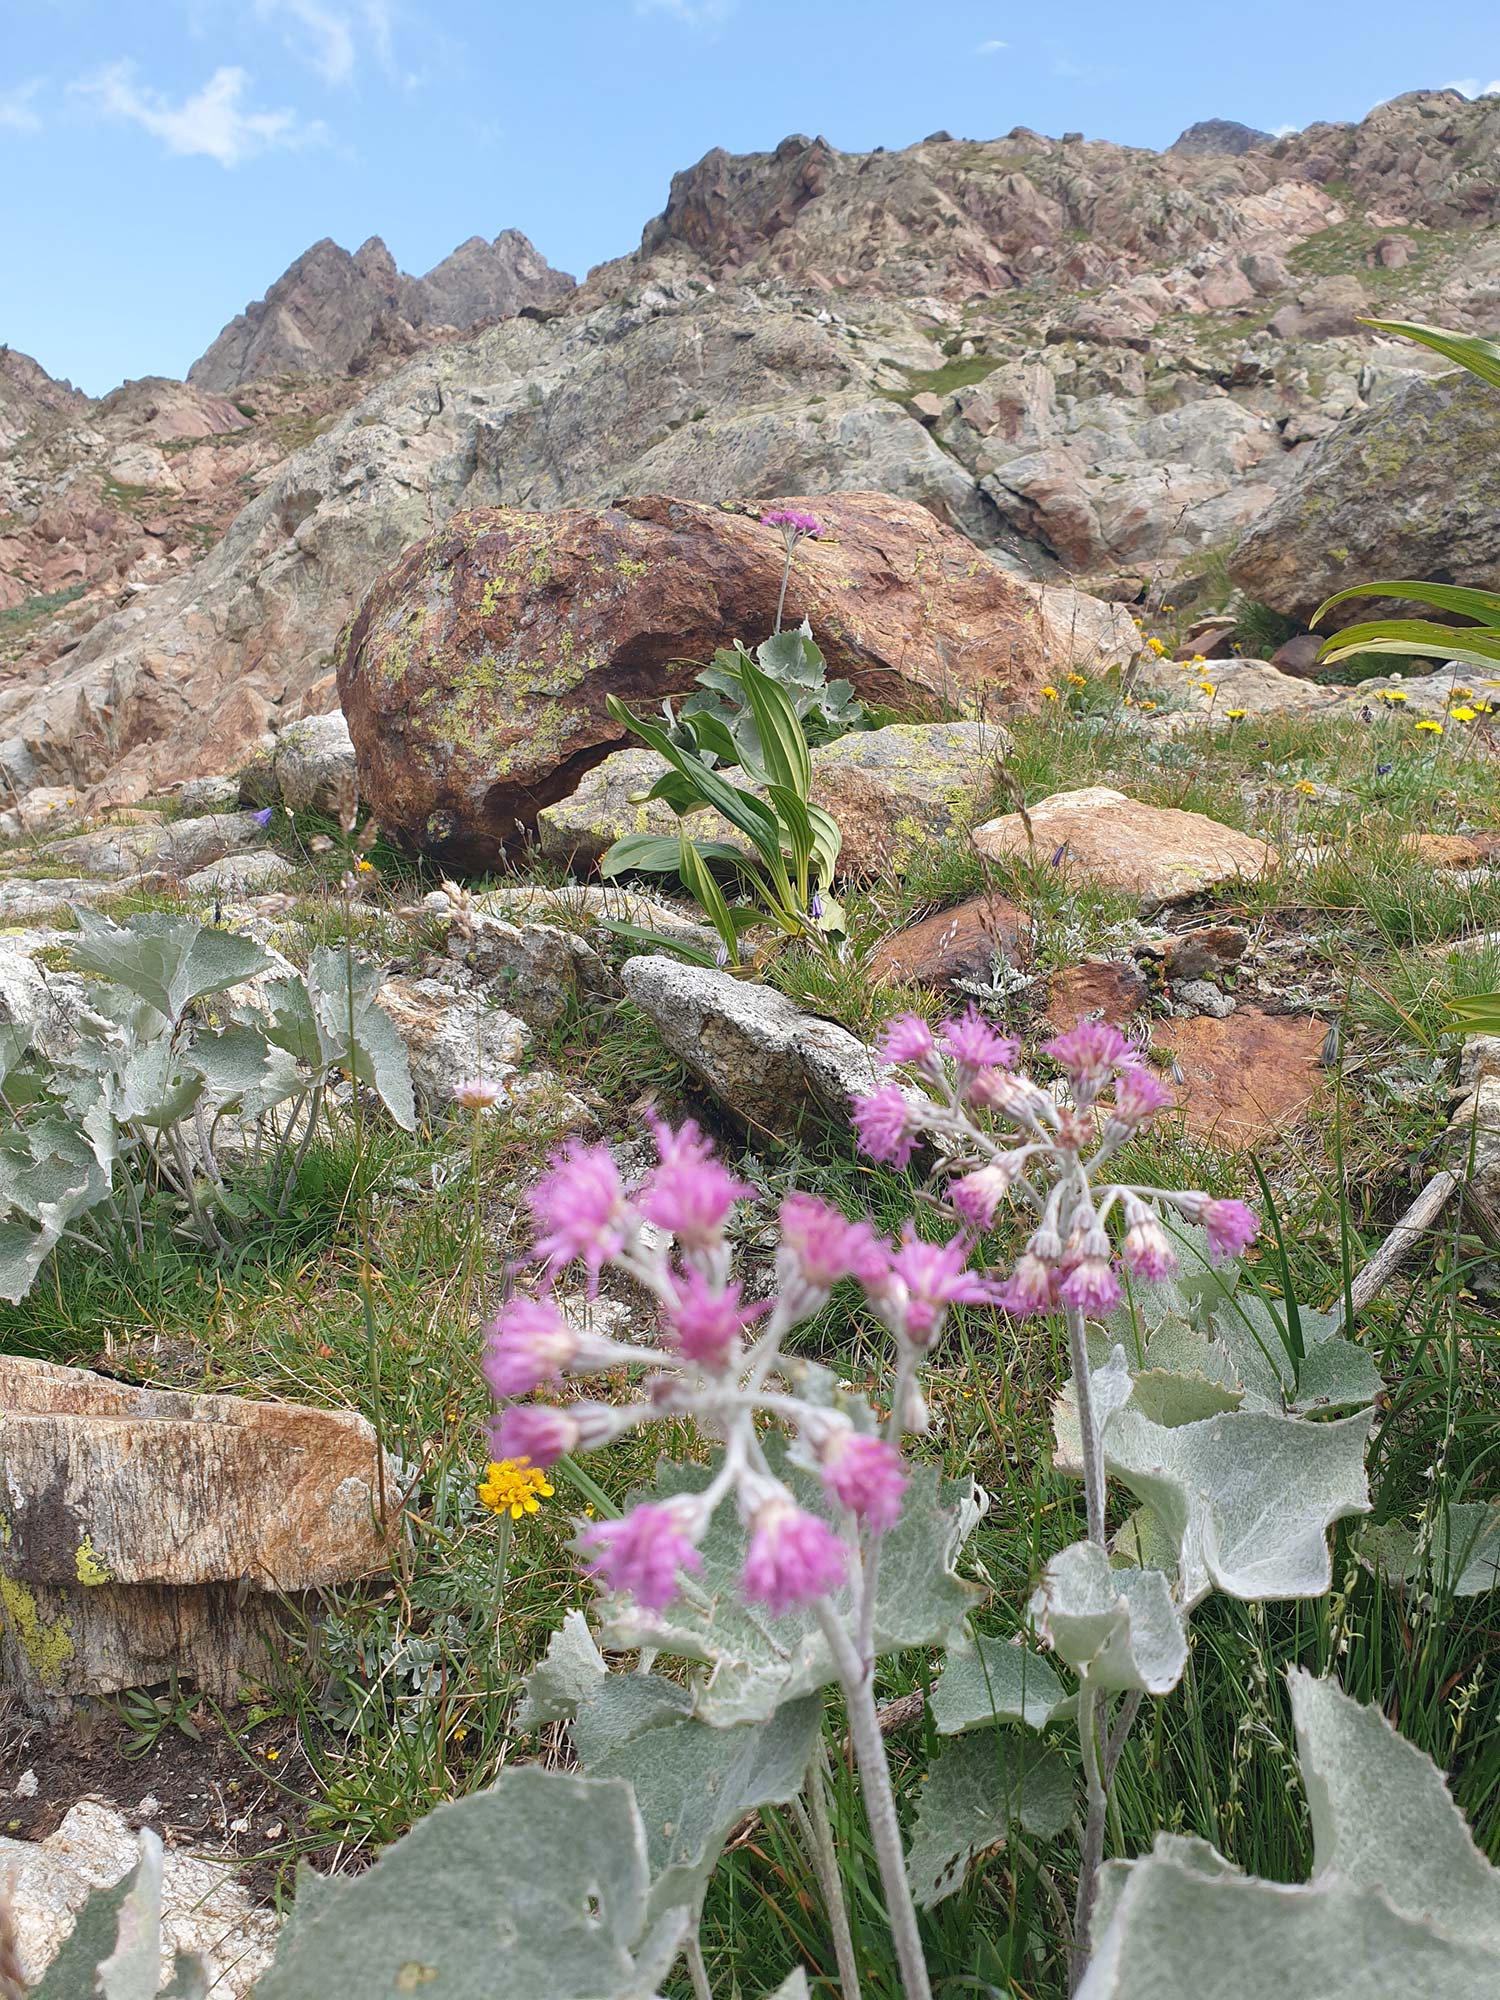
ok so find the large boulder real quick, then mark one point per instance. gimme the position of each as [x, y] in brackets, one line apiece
[474, 676]
[1156, 852]
[1408, 488]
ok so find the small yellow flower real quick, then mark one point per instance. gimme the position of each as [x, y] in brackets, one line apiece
[1155, 646]
[513, 1487]
[1394, 694]
[1432, 728]
[1198, 660]
[1234, 714]
[1463, 694]
[1462, 714]
[1169, 607]
[1144, 704]
[1078, 680]
[272, 1756]
[1307, 788]
[1050, 692]
[1206, 687]
[1136, 623]
[365, 867]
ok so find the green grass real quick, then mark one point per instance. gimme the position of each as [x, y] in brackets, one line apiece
[20, 617]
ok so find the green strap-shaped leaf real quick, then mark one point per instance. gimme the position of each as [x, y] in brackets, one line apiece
[985, 1681]
[1468, 350]
[1118, 1627]
[783, 746]
[700, 884]
[1481, 605]
[659, 854]
[1413, 635]
[751, 815]
[979, 1787]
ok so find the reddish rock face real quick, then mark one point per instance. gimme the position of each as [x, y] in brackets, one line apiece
[961, 943]
[475, 673]
[1246, 1076]
[1112, 991]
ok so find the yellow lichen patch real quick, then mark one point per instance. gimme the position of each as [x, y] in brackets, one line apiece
[88, 1566]
[48, 1647]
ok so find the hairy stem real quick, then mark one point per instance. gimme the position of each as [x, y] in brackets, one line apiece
[857, 1678]
[786, 577]
[1093, 1456]
[697, 1970]
[1089, 1720]
[818, 1833]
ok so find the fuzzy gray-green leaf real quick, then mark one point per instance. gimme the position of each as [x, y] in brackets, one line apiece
[978, 1787]
[985, 1681]
[1117, 1627]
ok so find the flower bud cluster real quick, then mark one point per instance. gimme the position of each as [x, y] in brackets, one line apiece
[716, 1356]
[1000, 1136]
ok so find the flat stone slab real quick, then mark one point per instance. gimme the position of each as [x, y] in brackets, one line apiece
[952, 945]
[1110, 991]
[1157, 852]
[1246, 1077]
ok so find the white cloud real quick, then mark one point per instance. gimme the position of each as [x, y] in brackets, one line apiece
[332, 40]
[18, 107]
[1284, 131]
[691, 13]
[991, 48]
[213, 121]
[1470, 86]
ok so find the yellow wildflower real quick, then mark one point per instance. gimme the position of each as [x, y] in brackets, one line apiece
[1234, 714]
[514, 1488]
[272, 1755]
[1394, 694]
[1463, 714]
[1463, 694]
[1206, 687]
[1198, 660]
[1145, 704]
[1307, 788]
[1155, 646]
[1433, 728]
[365, 867]
[1169, 607]
[1050, 692]
[1078, 680]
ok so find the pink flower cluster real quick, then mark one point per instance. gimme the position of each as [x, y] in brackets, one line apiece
[1051, 1157]
[715, 1355]
[793, 524]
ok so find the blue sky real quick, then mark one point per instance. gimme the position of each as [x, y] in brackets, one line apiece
[163, 163]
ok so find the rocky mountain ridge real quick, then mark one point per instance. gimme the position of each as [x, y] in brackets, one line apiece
[329, 309]
[1096, 362]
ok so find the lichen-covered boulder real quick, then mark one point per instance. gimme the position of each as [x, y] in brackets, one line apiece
[1408, 488]
[475, 673]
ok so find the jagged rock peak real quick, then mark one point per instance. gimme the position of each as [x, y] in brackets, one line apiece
[1219, 135]
[328, 310]
[29, 396]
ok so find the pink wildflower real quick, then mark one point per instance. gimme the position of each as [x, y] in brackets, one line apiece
[1029, 1288]
[1139, 1095]
[975, 1045]
[477, 1093]
[580, 1205]
[538, 1433]
[925, 1279]
[644, 1552]
[705, 1321]
[793, 525]
[821, 1245]
[865, 1474]
[976, 1196]
[885, 1125]
[1091, 1052]
[906, 1039]
[1091, 1286]
[690, 1193]
[529, 1343]
[1231, 1228]
[1147, 1249]
[794, 1557]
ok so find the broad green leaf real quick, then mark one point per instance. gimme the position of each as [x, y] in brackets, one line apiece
[1383, 1818]
[676, 947]
[1325, 1940]
[751, 815]
[1479, 1013]
[1481, 605]
[244, 1069]
[828, 839]
[793, 1987]
[570, 1667]
[23, 1251]
[543, 1879]
[796, 826]
[15, 1040]
[700, 884]
[978, 1787]
[355, 1032]
[1117, 1627]
[985, 1681]
[1248, 1497]
[1413, 635]
[659, 854]
[620, 1707]
[1459, 1556]
[167, 961]
[694, 1783]
[783, 746]
[755, 1661]
[154, 1089]
[1469, 350]
[71, 1975]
